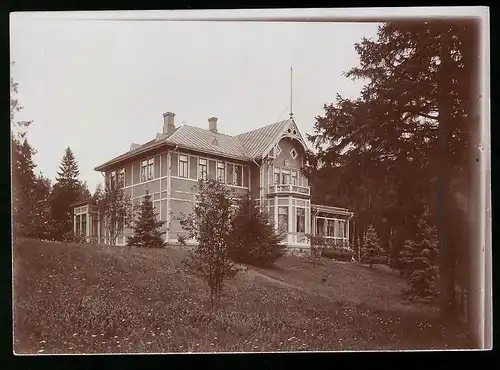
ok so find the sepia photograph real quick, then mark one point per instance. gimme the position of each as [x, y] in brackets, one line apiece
[250, 181]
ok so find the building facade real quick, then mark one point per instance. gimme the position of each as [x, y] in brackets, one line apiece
[265, 162]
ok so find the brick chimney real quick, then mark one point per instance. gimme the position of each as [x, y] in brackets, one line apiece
[212, 124]
[168, 123]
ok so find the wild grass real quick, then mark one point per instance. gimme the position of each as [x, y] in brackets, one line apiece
[96, 299]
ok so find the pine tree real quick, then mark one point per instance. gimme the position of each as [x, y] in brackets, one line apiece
[98, 193]
[254, 239]
[66, 191]
[147, 230]
[84, 191]
[23, 183]
[371, 252]
[420, 259]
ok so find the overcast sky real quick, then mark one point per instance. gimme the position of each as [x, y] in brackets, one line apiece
[99, 86]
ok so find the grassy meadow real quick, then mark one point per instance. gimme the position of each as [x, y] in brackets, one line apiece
[71, 298]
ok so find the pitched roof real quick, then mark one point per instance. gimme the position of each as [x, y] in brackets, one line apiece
[256, 141]
[196, 138]
[246, 146]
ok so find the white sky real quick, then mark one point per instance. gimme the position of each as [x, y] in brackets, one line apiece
[98, 86]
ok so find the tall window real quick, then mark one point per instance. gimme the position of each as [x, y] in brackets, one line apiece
[183, 166]
[203, 168]
[330, 230]
[294, 178]
[112, 179]
[77, 231]
[220, 172]
[120, 223]
[301, 218]
[84, 225]
[341, 229]
[121, 178]
[94, 226]
[285, 176]
[238, 175]
[276, 177]
[147, 169]
[283, 219]
[337, 231]
[320, 224]
[270, 214]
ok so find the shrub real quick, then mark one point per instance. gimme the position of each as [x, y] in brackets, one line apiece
[339, 254]
[181, 239]
[254, 239]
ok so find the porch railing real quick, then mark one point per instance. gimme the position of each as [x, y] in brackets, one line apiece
[289, 188]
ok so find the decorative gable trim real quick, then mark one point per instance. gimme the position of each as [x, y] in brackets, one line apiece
[292, 132]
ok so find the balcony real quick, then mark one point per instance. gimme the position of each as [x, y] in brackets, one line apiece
[289, 189]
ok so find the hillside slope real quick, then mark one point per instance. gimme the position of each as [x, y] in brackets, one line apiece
[82, 299]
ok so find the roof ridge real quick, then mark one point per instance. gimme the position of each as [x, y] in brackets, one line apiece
[204, 129]
[264, 127]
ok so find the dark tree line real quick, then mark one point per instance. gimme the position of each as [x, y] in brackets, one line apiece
[40, 209]
[399, 151]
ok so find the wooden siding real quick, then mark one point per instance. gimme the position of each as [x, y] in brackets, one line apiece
[286, 145]
[175, 164]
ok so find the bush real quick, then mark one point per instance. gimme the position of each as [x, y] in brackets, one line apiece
[339, 254]
[254, 240]
[181, 239]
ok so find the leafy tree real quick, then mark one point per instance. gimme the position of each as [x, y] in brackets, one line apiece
[42, 222]
[116, 209]
[254, 240]
[66, 191]
[147, 229]
[210, 225]
[371, 252]
[23, 186]
[16, 125]
[98, 194]
[420, 260]
[22, 166]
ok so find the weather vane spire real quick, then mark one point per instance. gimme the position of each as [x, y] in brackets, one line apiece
[291, 92]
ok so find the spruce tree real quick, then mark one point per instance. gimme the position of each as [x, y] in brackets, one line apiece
[420, 259]
[66, 191]
[147, 229]
[371, 252]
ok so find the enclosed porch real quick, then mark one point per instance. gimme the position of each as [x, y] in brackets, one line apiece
[86, 221]
[332, 223]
